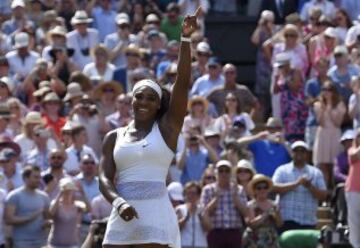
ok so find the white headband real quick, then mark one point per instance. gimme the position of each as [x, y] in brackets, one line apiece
[149, 83]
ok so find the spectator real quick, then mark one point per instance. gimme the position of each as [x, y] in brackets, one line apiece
[171, 24]
[202, 55]
[105, 94]
[104, 17]
[212, 137]
[18, 18]
[10, 170]
[205, 84]
[354, 102]
[26, 210]
[100, 208]
[172, 50]
[328, 9]
[268, 147]
[341, 73]
[217, 94]
[21, 60]
[301, 187]
[54, 173]
[194, 158]
[118, 41]
[77, 150]
[73, 96]
[290, 88]
[156, 50]
[4, 121]
[51, 113]
[176, 193]
[226, 204]
[312, 91]
[352, 7]
[82, 39]
[244, 172]
[264, 215]
[341, 164]
[17, 113]
[281, 9]
[123, 115]
[193, 222]
[207, 177]
[66, 213]
[343, 24]
[198, 114]
[352, 192]
[330, 112]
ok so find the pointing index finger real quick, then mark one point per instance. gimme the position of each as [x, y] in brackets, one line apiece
[197, 12]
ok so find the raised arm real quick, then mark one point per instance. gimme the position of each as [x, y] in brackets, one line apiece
[174, 117]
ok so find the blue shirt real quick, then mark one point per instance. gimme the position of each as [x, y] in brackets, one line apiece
[104, 22]
[268, 156]
[299, 205]
[203, 85]
[342, 82]
[313, 90]
[195, 165]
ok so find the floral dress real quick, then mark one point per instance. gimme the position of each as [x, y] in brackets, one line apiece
[263, 236]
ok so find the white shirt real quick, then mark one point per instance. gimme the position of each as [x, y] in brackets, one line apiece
[327, 8]
[91, 71]
[16, 180]
[78, 43]
[72, 163]
[352, 35]
[19, 66]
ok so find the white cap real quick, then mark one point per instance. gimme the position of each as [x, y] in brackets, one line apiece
[175, 190]
[267, 15]
[223, 163]
[348, 135]
[18, 3]
[122, 18]
[331, 32]
[21, 40]
[152, 18]
[341, 50]
[299, 143]
[8, 82]
[282, 59]
[203, 47]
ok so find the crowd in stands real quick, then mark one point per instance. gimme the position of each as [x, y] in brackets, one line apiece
[252, 166]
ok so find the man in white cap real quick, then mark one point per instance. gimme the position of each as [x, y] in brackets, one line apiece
[301, 187]
[202, 55]
[104, 17]
[118, 41]
[226, 204]
[21, 60]
[18, 19]
[82, 39]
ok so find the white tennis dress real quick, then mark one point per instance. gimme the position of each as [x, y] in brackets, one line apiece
[141, 168]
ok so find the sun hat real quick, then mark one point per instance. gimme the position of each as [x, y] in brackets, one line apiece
[245, 164]
[117, 88]
[282, 59]
[274, 122]
[197, 98]
[223, 162]
[51, 97]
[41, 91]
[58, 30]
[211, 131]
[258, 178]
[33, 117]
[7, 153]
[152, 18]
[176, 190]
[5, 111]
[80, 17]
[67, 183]
[341, 50]
[73, 90]
[6, 142]
[21, 40]
[331, 32]
[9, 83]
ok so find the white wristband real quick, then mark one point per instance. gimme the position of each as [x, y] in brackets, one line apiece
[185, 39]
[118, 202]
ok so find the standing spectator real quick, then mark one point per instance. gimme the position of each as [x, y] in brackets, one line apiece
[82, 39]
[330, 111]
[342, 72]
[202, 55]
[247, 101]
[104, 17]
[118, 41]
[343, 24]
[171, 24]
[264, 216]
[26, 210]
[281, 9]
[226, 204]
[301, 187]
[204, 84]
[244, 172]
[263, 32]
[194, 223]
[105, 94]
[198, 114]
[352, 191]
[66, 214]
[341, 164]
[51, 113]
[327, 8]
[18, 19]
[354, 102]
[11, 178]
[101, 68]
[123, 114]
[268, 148]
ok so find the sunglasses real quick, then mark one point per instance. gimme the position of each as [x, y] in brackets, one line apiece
[326, 89]
[88, 162]
[203, 54]
[124, 26]
[290, 35]
[262, 187]
[338, 55]
[239, 171]
[56, 157]
[224, 171]
[3, 86]
[210, 178]
[108, 90]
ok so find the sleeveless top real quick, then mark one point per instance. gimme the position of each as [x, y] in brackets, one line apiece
[141, 170]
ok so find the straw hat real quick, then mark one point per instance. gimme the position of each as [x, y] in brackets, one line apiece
[67, 183]
[257, 179]
[41, 91]
[117, 88]
[58, 30]
[196, 99]
[73, 90]
[80, 17]
[132, 48]
[245, 164]
[51, 97]
[33, 117]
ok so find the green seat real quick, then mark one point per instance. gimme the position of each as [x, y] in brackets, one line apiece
[299, 239]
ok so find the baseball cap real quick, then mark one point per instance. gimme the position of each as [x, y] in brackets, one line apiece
[175, 190]
[348, 135]
[341, 50]
[203, 47]
[223, 163]
[213, 61]
[298, 144]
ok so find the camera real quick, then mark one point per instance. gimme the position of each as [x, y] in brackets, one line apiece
[85, 51]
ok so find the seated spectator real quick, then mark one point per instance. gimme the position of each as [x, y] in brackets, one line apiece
[264, 215]
[77, 150]
[202, 55]
[244, 172]
[301, 187]
[197, 114]
[217, 95]
[330, 112]
[11, 178]
[27, 211]
[66, 213]
[123, 114]
[73, 96]
[171, 24]
[193, 222]
[105, 94]
[268, 147]
[226, 205]
[82, 39]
